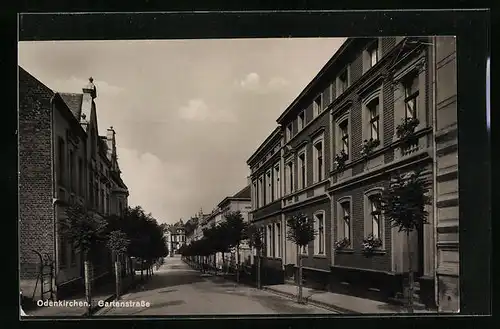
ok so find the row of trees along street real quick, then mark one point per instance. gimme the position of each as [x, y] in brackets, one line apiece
[135, 234]
[403, 205]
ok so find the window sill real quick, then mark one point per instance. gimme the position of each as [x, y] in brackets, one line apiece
[344, 251]
[375, 252]
[322, 256]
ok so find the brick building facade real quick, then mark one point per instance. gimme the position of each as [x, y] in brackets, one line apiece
[361, 95]
[63, 160]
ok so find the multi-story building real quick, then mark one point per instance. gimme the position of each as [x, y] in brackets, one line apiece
[62, 161]
[266, 177]
[177, 237]
[241, 202]
[363, 93]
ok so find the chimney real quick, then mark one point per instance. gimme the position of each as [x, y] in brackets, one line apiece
[110, 142]
[90, 88]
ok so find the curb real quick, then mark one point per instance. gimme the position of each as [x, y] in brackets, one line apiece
[309, 301]
[94, 309]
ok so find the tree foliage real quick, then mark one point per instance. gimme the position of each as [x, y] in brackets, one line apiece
[255, 237]
[84, 229]
[118, 242]
[145, 235]
[301, 230]
[403, 203]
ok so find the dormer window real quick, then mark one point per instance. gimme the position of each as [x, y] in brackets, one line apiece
[301, 120]
[373, 53]
[289, 132]
[317, 106]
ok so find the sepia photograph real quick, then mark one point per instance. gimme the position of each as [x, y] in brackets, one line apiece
[238, 176]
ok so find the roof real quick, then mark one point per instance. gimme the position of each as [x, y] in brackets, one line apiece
[74, 103]
[276, 132]
[244, 193]
[318, 76]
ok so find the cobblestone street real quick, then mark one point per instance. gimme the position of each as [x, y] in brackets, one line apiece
[175, 289]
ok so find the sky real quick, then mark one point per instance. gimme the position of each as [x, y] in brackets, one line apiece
[187, 113]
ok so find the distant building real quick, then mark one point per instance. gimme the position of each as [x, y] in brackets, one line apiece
[62, 161]
[177, 237]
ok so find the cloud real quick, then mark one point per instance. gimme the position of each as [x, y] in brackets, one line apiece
[250, 81]
[157, 186]
[75, 85]
[277, 83]
[253, 82]
[198, 110]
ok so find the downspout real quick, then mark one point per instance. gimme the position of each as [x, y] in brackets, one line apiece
[54, 195]
[435, 167]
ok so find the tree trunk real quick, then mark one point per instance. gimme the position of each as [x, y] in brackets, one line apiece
[142, 270]
[299, 282]
[237, 263]
[259, 284]
[410, 274]
[117, 278]
[88, 282]
[223, 261]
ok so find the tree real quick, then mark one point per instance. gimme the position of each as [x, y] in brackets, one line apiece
[236, 228]
[254, 235]
[403, 205]
[301, 232]
[86, 232]
[118, 243]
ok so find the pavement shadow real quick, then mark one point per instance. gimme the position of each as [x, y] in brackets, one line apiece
[166, 281]
[160, 305]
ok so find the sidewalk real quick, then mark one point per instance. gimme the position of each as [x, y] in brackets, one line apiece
[105, 294]
[341, 303]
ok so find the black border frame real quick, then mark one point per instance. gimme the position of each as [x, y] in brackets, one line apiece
[472, 28]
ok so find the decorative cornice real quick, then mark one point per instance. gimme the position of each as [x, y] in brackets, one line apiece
[346, 104]
[370, 86]
[318, 131]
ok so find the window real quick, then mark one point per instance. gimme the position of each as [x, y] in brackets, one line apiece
[374, 220]
[270, 241]
[269, 186]
[317, 105]
[319, 242]
[410, 85]
[63, 250]
[342, 82]
[289, 177]
[375, 217]
[72, 172]
[373, 54]
[261, 191]
[289, 132]
[103, 208]
[277, 192]
[107, 203]
[318, 161]
[91, 190]
[302, 170]
[344, 136]
[72, 254]
[373, 110]
[345, 220]
[61, 153]
[80, 177]
[255, 195]
[301, 120]
[279, 242]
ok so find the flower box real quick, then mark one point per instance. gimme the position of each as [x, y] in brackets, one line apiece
[342, 243]
[368, 146]
[371, 243]
[405, 131]
[340, 160]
